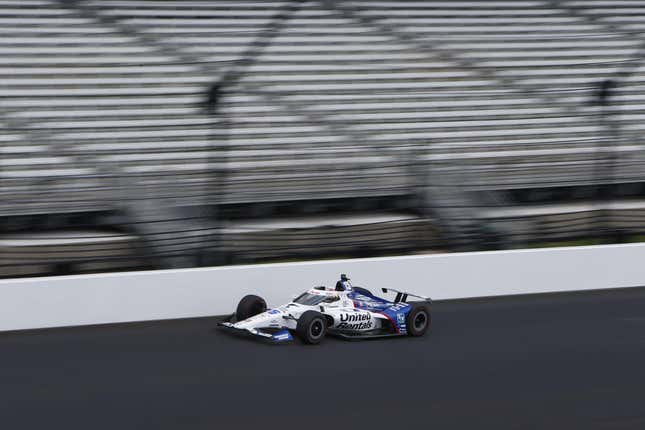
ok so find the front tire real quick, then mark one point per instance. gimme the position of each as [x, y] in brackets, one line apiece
[250, 306]
[311, 327]
[418, 320]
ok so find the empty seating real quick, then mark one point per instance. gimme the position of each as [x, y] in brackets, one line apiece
[362, 78]
[79, 251]
[103, 101]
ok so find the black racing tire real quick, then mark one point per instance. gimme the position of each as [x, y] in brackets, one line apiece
[418, 319]
[311, 327]
[250, 306]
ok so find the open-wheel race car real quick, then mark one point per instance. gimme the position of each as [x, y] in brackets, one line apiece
[346, 311]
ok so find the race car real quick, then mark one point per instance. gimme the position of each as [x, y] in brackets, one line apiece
[346, 311]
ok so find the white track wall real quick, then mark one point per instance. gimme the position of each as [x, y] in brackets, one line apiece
[139, 296]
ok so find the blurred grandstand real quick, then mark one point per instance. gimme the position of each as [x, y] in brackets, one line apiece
[332, 129]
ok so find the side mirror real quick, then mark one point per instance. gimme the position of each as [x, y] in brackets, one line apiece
[384, 290]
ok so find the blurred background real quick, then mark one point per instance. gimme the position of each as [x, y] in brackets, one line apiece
[150, 134]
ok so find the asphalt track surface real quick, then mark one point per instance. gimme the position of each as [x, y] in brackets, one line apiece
[563, 361]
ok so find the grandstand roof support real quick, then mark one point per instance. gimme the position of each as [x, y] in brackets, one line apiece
[219, 89]
[604, 168]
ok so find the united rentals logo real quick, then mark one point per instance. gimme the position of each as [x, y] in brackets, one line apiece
[355, 317]
[357, 321]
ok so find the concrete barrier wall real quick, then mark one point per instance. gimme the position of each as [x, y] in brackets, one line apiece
[140, 296]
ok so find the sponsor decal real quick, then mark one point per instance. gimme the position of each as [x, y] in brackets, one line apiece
[398, 306]
[396, 313]
[356, 326]
[400, 318]
[355, 321]
[274, 311]
[370, 303]
[355, 317]
[282, 336]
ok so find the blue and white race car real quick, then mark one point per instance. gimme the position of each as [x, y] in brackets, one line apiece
[346, 311]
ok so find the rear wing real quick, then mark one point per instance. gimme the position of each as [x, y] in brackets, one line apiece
[402, 296]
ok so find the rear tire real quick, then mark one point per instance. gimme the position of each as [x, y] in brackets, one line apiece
[418, 320]
[311, 327]
[250, 306]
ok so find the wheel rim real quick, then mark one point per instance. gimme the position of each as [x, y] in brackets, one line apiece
[316, 329]
[420, 321]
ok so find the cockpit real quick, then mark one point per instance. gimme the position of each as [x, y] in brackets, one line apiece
[309, 299]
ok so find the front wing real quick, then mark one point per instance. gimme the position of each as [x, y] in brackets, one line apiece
[282, 335]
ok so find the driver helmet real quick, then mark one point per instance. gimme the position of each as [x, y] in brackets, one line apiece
[343, 284]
